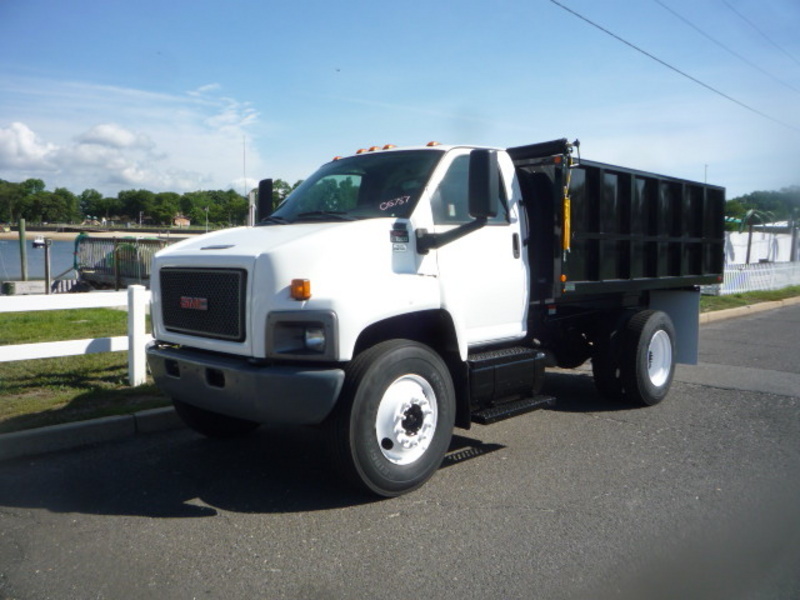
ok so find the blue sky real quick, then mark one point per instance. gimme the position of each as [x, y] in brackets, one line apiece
[179, 96]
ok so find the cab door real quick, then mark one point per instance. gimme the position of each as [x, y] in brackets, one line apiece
[482, 275]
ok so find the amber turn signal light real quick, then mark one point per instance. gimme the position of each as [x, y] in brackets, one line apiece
[300, 289]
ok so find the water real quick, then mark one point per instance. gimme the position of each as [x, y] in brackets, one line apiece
[61, 259]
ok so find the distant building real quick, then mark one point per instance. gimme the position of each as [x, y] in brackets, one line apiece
[181, 221]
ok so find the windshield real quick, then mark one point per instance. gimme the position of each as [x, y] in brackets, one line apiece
[366, 186]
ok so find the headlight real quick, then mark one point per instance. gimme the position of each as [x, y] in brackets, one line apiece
[301, 335]
[315, 339]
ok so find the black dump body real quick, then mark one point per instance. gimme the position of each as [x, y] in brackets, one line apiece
[627, 231]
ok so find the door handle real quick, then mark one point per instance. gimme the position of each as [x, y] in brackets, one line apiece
[515, 244]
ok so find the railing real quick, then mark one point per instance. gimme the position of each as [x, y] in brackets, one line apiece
[759, 277]
[116, 262]
[136, 297]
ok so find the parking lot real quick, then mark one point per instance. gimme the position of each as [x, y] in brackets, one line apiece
[696, 497]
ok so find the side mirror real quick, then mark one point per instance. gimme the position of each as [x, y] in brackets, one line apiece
[264, 198]
[484, 184]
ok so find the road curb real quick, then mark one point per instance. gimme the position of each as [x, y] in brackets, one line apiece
[68, 436]
[743, 311]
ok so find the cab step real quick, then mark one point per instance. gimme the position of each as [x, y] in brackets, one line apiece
[506, 410]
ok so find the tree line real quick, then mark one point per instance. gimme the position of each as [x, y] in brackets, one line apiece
[781, 205]
[30, 200]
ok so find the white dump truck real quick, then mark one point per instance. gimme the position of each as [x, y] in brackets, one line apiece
[400, 292]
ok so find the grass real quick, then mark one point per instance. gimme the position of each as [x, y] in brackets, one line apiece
[710, 303]
[49, 391]
[54, 325]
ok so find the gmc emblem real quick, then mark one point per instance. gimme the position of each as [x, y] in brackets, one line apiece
[189, 303]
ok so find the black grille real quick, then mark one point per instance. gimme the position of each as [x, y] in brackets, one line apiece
[204, 302]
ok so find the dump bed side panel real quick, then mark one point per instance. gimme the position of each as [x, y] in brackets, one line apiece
[626, 230]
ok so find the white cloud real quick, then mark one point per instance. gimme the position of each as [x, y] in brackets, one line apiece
[232, 117]
[203, 89]
[114, 136]
[111, 138]
[20, 148]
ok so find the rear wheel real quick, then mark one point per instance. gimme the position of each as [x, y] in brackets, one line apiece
[394, 420]
[648, 360]
[211, 424]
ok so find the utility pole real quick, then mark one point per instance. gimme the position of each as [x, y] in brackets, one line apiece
[23, 251]
[244, 166]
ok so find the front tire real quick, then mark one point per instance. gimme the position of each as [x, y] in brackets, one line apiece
[211, 424]
[394, 419]
[648, 361]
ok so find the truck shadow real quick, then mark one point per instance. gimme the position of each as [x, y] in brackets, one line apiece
[575, 392]
[463, 448]
[178, 474]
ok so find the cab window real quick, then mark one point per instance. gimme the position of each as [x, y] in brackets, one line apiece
[450, 201]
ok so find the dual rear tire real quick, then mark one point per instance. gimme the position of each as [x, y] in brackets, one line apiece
[634, 358]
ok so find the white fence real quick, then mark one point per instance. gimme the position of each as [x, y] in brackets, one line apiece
[136, 297]
[759, 277]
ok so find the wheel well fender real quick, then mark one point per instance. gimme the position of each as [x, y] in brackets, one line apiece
[434, 328]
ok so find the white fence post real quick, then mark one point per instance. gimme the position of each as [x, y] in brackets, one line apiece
[137, 360]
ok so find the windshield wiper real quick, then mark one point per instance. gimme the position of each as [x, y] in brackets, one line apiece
[337, 214]
[273, 219]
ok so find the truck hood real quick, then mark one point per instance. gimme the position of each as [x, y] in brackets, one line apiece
[337, 259]
[241, 244]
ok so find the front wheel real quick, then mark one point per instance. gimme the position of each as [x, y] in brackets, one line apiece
[648, 361]
[394, 420]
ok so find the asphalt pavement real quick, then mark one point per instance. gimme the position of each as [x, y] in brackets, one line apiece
[694, 498]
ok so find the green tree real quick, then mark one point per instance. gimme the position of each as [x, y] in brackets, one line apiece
[33, 206]
[10, 196]
[734, 213]
[217, 214]
[90, 203]
[136, 204]
[778, 203]
[25, 200]
[93, 204]
[280, 190]
[332, 193]
[63, 207]
[236, 207]
[32, 186]
[165, 207]
[193, 205]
